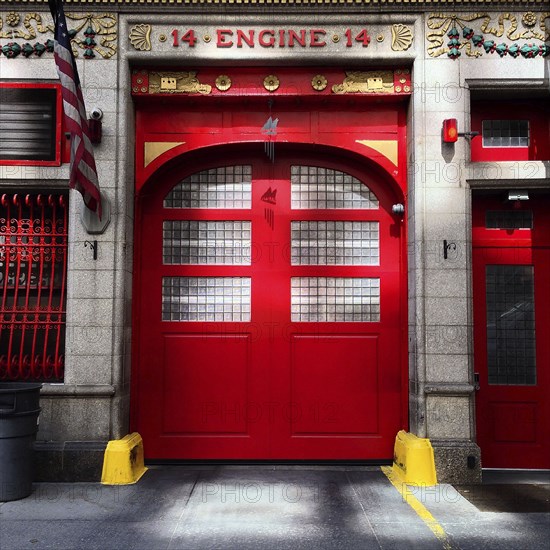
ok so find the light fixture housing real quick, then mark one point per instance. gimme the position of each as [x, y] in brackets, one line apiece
[450, 133]
[518, 195]
[450, 130]
[398, 209]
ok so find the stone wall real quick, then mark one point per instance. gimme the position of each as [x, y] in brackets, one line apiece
[92, 406]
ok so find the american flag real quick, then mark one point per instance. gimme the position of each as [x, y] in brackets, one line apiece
[83, 173]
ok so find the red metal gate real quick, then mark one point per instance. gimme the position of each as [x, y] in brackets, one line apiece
[33, 267]
[270, 311]
[511, 268]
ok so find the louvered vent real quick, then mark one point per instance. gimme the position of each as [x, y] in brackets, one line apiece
[27, 124]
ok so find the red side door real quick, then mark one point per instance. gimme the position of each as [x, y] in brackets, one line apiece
[511, 269]
[269, 312]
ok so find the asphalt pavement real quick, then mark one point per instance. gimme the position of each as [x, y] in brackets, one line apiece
[279, 507]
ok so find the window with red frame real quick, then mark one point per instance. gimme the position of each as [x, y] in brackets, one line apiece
[30, 124]
[33, 274]
[510, 130]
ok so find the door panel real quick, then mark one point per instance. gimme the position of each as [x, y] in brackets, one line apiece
[335, 396]
[511, 322]
[195, 398]
[269, 314]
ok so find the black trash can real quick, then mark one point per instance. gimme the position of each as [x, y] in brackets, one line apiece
[19, 410]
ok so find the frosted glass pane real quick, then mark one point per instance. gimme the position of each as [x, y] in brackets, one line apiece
[318, 188]
[194, 242]
[335, 299]
[335, 243]
[206, 298]
[224, 187]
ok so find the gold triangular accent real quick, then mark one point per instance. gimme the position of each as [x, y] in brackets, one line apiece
[388, 148]
[153, 149]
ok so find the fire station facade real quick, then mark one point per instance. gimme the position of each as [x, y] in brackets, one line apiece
[324, 222]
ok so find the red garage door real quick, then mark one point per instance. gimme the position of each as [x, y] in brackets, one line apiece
[268, 309]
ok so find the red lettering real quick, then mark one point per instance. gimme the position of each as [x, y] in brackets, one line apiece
[241, 36]
[301, 39]
[222, 34]
[349, 43]
[363, 37]
[189, 37]
[281, 38]
[175, 36]
[270, 43]
[315, 40]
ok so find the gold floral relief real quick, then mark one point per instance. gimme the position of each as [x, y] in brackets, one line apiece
[271, 83]
[319, 82]
[223, 83]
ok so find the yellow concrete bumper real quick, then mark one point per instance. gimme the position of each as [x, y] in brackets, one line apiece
[413, 459]
[123, 461]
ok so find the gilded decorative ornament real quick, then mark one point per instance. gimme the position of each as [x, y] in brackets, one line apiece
[140, 37]
[380, 38]
[163, 38]
[207, 38]
[319, 82]
[100, 33]
[93, 33]
[529, 19]
[401, 38]
[380, 82]
[271, 83]
[12, 19]
[177, 82]
[336, 38]
[473, 34]
[223, 83]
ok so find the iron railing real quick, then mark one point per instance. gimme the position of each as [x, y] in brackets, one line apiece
[33, 273]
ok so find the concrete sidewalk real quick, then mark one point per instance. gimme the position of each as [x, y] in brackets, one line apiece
[260, 506]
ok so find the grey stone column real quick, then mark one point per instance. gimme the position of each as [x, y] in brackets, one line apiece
[441, 389]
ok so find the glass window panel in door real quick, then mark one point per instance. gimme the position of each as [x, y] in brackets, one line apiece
[510, 324]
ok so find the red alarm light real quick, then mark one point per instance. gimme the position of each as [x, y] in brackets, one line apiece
[450, 130]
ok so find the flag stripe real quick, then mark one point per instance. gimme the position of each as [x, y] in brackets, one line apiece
[83, 172]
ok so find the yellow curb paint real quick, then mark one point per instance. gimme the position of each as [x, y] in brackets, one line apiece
[434, 526]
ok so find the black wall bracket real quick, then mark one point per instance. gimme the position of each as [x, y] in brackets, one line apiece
[446, 247]
[93, 246]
